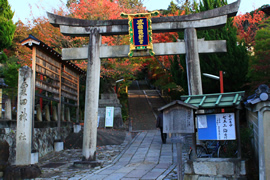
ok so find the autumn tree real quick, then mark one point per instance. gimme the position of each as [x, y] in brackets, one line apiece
[260, 62]
[247, 26]
[159, 67]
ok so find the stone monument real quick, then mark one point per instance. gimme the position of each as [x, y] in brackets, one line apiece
[110, 100]
[23, 168]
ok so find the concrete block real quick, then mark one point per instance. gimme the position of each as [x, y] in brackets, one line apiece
[191, 177]
[34, 157]
[205, 168]
[188, 168]
[220, 178]
[243, 168]
[58, 146]
[206, 178]
[225, 168]
[7, 130]
[77, 128]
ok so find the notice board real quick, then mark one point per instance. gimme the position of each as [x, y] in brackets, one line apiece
[216, 126]
[178, 119]
[109, 116]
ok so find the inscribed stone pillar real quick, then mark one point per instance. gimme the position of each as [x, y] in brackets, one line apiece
[24, 117]
[8, 111]
[47, 113]
[193, 62]
[91, 97]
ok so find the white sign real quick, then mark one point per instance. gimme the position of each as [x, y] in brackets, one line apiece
[109, 116]
[225, 126]
[202, 121]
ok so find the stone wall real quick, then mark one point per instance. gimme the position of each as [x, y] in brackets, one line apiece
[212, 168]
[43, 139]
[9, 135]
[252, 118]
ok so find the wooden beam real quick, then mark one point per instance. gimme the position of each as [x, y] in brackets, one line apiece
[160, 49]
[156, 28]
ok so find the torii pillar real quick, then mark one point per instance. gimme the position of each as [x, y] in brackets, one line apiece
[193, 62]
[91, 97]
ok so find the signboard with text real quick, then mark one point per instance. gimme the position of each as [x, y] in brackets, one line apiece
[109, 116]
[140, 35]
[140, 32]
[216, 126]
[178, 119]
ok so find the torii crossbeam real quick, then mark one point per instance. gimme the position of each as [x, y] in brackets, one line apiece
[95, 51]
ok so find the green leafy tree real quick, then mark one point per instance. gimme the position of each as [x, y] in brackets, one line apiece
[234, 62]
[7, 28]
[10, 72]
[260, 62]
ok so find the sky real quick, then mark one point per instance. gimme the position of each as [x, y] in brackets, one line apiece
[23, 8]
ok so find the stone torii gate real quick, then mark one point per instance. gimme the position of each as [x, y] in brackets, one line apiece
[95, 29]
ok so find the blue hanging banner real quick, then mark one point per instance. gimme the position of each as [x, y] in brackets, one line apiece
[140, 32]
[140, 27]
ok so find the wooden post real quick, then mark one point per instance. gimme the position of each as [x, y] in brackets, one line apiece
[59, 104]
[78, 100]
[237, 120]
[34, 59]
[179, 146]
[221, 85]
[91, 97]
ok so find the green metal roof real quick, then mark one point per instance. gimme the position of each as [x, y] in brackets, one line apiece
[219, 100]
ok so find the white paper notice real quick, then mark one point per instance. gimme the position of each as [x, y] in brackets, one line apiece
[225, 126]
[202, 121]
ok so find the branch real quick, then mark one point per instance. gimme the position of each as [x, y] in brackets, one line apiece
[162, 65]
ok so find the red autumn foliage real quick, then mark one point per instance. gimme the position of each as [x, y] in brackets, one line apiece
[247, 26]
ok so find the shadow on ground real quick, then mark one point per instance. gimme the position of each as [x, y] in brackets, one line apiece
[104, 137]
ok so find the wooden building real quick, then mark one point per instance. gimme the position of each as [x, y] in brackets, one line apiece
[55, 80]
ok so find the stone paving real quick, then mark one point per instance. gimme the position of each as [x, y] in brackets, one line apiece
[59, 165]
[144, 157]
